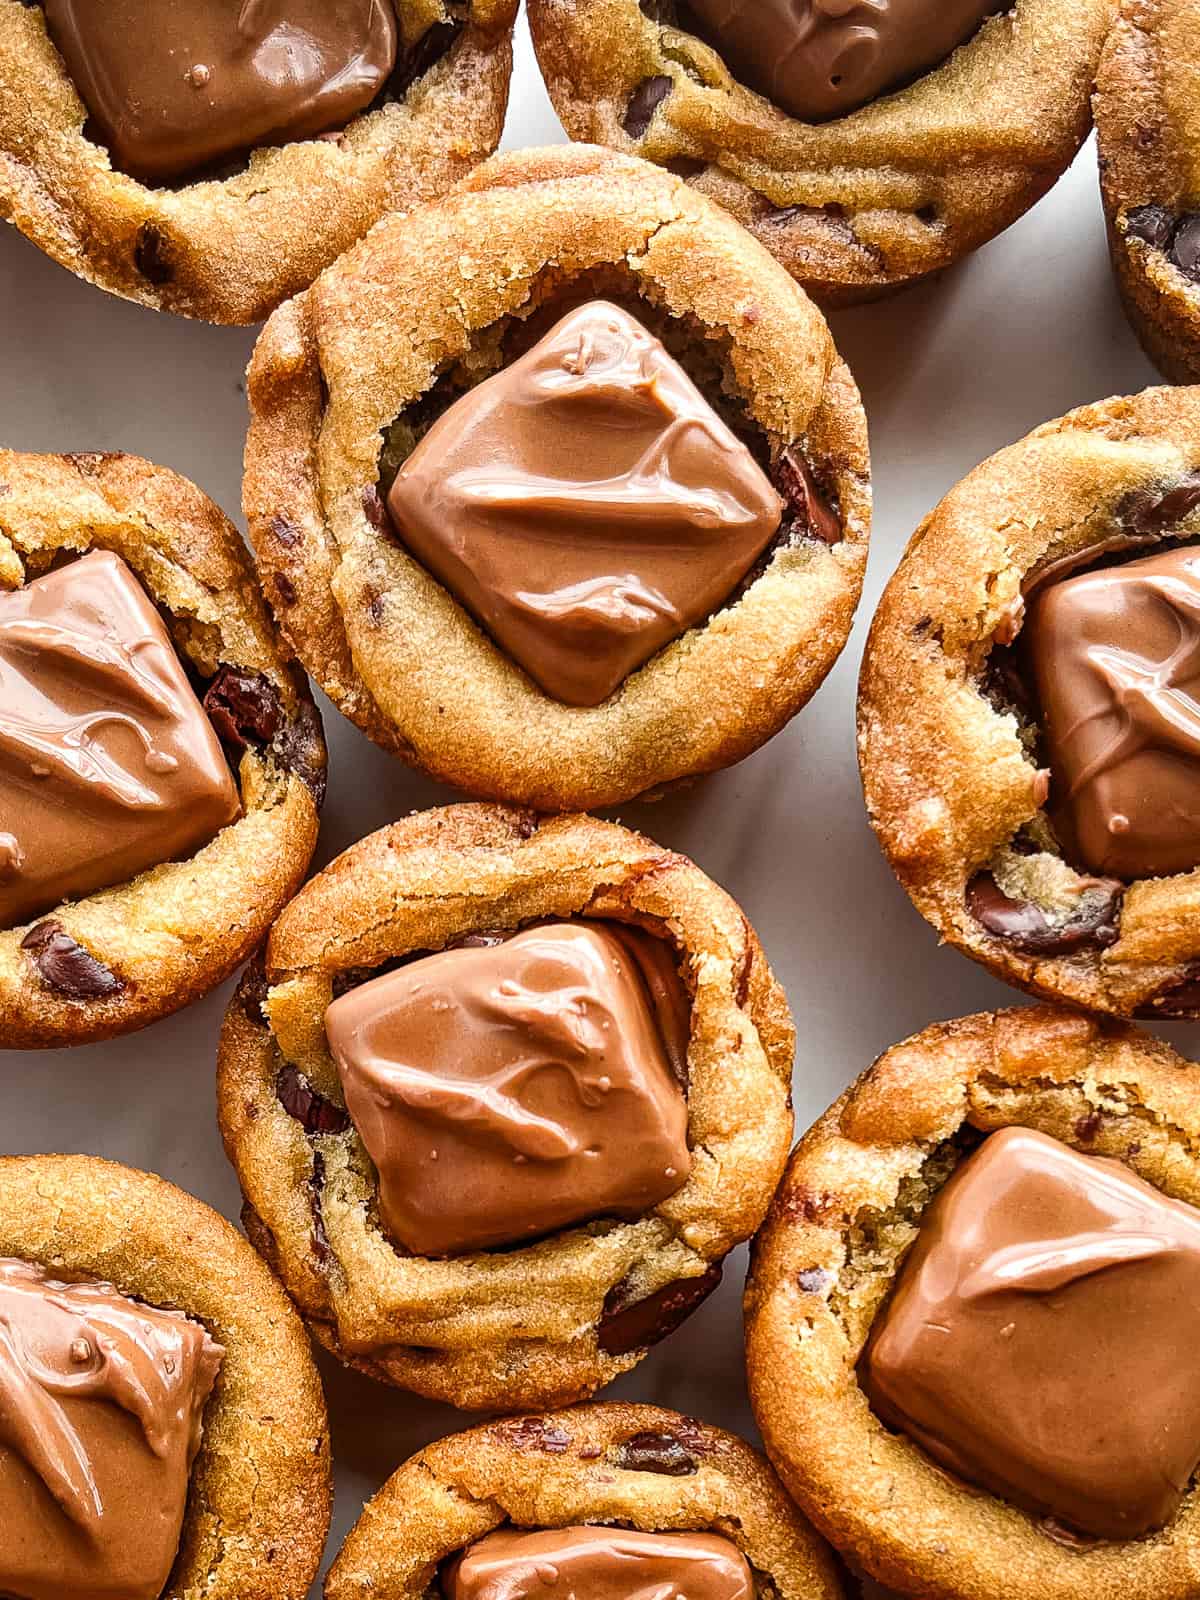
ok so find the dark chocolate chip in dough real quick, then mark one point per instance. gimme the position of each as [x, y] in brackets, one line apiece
[310, 1108]
[643, 103]
[66, 966]
[1156, 508]
[1153, 225]
[243, 707]
[532, 1433]
[1180, 1000]
[809, 512]
[1185, 247]
[629, 1326]
[1028, 927]
[151, 255]
[655, 1452]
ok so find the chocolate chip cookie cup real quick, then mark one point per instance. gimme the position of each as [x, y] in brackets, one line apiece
[1148, 132]
[161, 760]
[501, 1095]
[1027, 720]
[668, 564]
[866, 144]
[211, 160]
[163, 1428]
[971, 1315]
[603, 1498]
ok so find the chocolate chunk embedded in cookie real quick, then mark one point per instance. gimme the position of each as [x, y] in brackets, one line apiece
[161, 761]
[972, 1315]
[594, 524]
[562, 1505]
[1029, 710]
[866, 143]
[497, 1170]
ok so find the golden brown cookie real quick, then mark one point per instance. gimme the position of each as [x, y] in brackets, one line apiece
[960, 783]
[348, 376]
[1149, 140]
[549, 1321]
[844, 1217]
[631, 1466]
[870, 201]
[130, 953]
[258, 1510]
[230, 248]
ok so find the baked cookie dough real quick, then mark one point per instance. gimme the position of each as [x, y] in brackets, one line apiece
[161, 761]
[1044, 1294]
[173, 158]
[556, 288]
[853, 140]
[1028, 731]
[379, 995]
[162, 1411]
[667, 1498]
[1149, 141]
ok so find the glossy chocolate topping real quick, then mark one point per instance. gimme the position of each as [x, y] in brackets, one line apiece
[175, 86]
[601, 1564]
[108, 764]
[507, 1091]
[586, 504]
[101, 1403]
[1116, 660]
[1043, 1339]
[822, 58]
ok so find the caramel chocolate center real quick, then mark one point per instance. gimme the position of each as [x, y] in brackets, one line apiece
[822, 58]
[1116, 660]
[1043, 1337]
[586, 504]
[101, 1404]
[507, 1091]
[601, 1563]
[108, 764]
[173, 86]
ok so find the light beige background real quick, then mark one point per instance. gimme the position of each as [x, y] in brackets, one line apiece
[949, 372]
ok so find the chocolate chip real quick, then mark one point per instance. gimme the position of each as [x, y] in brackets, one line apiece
[806, 509]
[1180, 1000]
[151, 255]
[627, 1326]
[1086, 1128]
[287, 533]
[1185, 247]
[320, 1239]
[427, 52]
[253, 989]
[66, 966]
[643, 103]
[310, 1108]
[1153, 225]
[285, 589]
[1156, 508]
[655, 1452]
[300, 747]
[374, 509]
[531, 1433]
[814, 1280]
[244, 708]
[1029, 928]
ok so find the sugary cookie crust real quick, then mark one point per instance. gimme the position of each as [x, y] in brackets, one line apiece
[335, 367]
[259, 1504]
[519, 1327]
[861, 205]
[949, 777]
[846, 1212]
[231, 250]
[176, 931]
[635, 1466]
[1149, 138]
